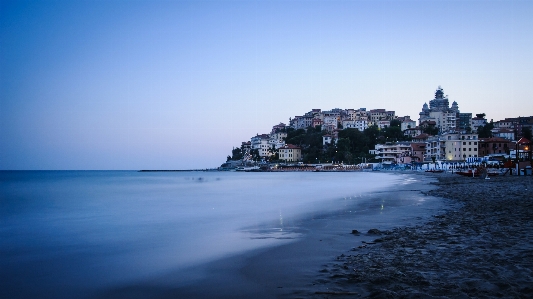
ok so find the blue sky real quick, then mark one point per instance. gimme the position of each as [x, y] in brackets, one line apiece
[177, 84]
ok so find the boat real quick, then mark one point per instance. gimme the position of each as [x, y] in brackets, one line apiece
[476, 173]
[248, 169]
[435, 170]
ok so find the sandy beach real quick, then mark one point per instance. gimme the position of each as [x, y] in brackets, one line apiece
[481, 247]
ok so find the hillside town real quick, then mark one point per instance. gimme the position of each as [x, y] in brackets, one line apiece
[355, 137]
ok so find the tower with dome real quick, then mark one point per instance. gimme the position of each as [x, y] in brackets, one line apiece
[446, 118]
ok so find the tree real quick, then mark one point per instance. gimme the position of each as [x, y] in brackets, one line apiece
[237, 154]
[255, 155]
[395, 123]
[431, 130]
[274, 155]
[485, 131]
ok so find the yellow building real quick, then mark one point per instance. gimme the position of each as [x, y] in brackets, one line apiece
[290, 153]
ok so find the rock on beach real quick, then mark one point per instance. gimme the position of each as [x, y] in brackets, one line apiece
[480, 247]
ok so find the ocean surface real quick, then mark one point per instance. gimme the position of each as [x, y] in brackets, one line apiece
[72, 234]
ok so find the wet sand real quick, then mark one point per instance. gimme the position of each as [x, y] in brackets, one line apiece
[482, 247]
[443, 236]
[290, 270]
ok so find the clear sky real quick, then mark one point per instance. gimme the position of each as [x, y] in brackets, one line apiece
[177, 84]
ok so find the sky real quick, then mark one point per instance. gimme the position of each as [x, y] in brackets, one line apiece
[88, 85]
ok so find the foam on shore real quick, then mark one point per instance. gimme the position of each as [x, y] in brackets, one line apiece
[294, 269]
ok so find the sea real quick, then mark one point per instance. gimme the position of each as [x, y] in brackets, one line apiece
[73, 234]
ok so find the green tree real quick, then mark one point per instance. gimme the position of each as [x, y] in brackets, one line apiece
[485, 131]
[255, 155]
[237, 154]
[395, 123]
[431, 130]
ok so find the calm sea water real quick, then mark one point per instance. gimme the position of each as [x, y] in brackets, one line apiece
[68, 234]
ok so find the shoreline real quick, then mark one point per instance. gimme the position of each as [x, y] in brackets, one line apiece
[470, 238]
[481, 247]
[289, 270]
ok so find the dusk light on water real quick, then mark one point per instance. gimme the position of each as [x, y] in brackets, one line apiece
[266, 149]
[78, 233]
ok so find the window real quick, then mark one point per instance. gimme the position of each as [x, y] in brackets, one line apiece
[464, 143]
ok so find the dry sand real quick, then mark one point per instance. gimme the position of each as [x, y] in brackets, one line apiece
[482, 247]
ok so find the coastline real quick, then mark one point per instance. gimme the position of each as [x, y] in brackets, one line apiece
[481, 247]
[469, 238]
[290, 270]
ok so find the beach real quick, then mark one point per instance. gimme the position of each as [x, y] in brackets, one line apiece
[297, 269]
[474, 241]
[376, 235]
[481, 247]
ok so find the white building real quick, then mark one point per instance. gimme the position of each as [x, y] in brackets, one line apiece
[277, 139]
[261, 144]
[392, 153]
[407, 124]
[361, 125]
[382, 124]
[478, 122]
[328, 139]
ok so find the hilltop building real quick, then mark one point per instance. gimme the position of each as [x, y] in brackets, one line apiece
[446, 118]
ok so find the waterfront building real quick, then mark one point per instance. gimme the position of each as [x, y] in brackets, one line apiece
[452, 147]
[391, 153]
[495, 146]
[418, 150]
[290, 153]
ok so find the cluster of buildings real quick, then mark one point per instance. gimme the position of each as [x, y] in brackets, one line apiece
[454, 135]
[456, 139]
[338, 119]
[331, 121]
